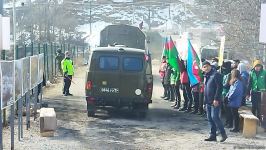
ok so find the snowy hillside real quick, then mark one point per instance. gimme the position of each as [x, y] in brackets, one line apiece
[160, 15]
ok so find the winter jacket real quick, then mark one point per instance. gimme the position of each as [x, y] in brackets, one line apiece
[213, 84]
[257, 81]
[162, 69]
[184, 77]
[67, 66]
[226, 85]
[235, 94]
[174, 76]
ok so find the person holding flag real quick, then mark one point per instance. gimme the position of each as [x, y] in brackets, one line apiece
[195, 76]
[171, 53]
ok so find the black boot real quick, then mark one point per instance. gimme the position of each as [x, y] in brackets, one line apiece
[224, 137]
[211, 138]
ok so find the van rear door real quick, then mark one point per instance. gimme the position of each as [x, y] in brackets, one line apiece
[132, 75]
[106, 77]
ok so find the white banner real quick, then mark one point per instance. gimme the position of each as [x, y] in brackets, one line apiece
[4, 33]
[34, 71]
[18, 81]
[7, 83]
[263, 23]
[26, 75]
[41, 68]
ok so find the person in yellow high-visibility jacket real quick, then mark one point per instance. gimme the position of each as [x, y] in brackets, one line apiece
[68, 70]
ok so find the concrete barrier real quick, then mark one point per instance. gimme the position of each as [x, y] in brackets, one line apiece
[48, 122]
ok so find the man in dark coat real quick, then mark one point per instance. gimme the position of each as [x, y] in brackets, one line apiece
[59, 57]
[213, 84]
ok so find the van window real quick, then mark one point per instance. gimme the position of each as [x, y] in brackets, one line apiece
[108, 63]
[132, 64]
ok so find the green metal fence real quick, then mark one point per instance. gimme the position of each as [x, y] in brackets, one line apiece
[49, 50]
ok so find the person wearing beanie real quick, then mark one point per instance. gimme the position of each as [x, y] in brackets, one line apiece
[256, 84]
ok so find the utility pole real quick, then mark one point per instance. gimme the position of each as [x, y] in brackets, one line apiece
[1, 123]
[90, 17]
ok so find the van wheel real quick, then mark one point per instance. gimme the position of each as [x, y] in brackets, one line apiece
[91, 113]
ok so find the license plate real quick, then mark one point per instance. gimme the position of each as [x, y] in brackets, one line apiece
[109, 90]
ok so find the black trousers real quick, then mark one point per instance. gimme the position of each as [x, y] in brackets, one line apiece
[164, 90]
[235, 116]
[67, 83]
[187, 96]
[177, 94]
[201, 102]
[168, 91]
[228, 113]
[256, 104]
[196, 101]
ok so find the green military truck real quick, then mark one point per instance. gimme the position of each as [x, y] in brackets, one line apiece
[119, 76]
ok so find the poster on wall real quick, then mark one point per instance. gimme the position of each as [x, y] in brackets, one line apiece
[18, 81]
[25, 75]
[41, 67]
[34, 63]
[7, 83]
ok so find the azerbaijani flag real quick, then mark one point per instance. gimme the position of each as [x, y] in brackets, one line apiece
[172, 55]
[193, 66]
[166, 48]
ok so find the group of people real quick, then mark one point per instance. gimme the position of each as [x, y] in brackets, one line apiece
[173, 81]
[224, 88]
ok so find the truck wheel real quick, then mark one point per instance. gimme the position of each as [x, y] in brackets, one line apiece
[91, 113]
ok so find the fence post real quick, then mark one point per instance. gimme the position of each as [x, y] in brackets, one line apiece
[28, 109]
[39, 48]
[52, 62]
[12, 123]
[32, 53]
[25, 50]
[20, 120]
[45, 56]
[35, 97]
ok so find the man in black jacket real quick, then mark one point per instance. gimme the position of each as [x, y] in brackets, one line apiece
[213, 84]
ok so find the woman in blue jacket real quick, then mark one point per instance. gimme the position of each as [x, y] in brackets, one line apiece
[235, 96]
